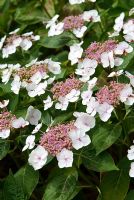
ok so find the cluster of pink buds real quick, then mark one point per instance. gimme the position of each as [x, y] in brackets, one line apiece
[73, 22]
[66, 92]
[76, 24]
[25, 74]
[61, 89]
[6, 119]
[95, 50]
[107, 53]
[57, 138]
[110, 94]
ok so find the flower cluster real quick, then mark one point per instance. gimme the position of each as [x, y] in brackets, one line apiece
[80, 85]
[105, 53]
[66, 92]
[76, 24]
[35, 76]
[60, 140]
[10, 44]
[8, 121]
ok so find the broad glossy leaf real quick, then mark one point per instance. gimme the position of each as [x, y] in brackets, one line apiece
[4, 148]
[62, 118]
[28, 179]
[100, 163]
[104, 136]
[128, 124]
[30, 13]
[115, 184]
[130, 195]
[57, 41]
[62, 185]
[12, 190]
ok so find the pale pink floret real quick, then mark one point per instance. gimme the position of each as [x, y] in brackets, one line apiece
[110, 94]
[57, 138]
[95, 50]
[73, 22]
[61, 89]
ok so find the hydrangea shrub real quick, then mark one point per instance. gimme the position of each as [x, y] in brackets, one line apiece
[66, 100]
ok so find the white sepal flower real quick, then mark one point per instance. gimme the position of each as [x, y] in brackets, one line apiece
[4, 103]
[33, 115]
[20, 122]
[56, 29]
[53, 67]
[37, 128]
[16, 84]
[105, 111]
[2, 42]
[25, 44]
[131, 172]
[73, 96]
[130, 154]
[123, 47]
[117, 73]
[79, 138]
[38, 157]
[126, 95]
[62, 104]
[79, 32]
[92, 106]
[36, 89]
[119, 22]
[85, 122]
[75, 53]
[4, 133]
[48, 103]
[91, 15]
[6, 51]
[107, 59]
[86, 95]
[92, 83]
[36, 78]
[30, 142]
[52, 21]
[65, 158]
[86, 68]
[76, 1]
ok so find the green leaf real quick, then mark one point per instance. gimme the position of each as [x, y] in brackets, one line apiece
[4, 148]
[128, 124]
[130, 195]
[57, 41]
[30, 13]
[62, 185]
[100, 163]
[62, 118]
[104, 136]
[11, 189]
[46, 118]
[115, 184]
[14, 100]
[28, 179]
